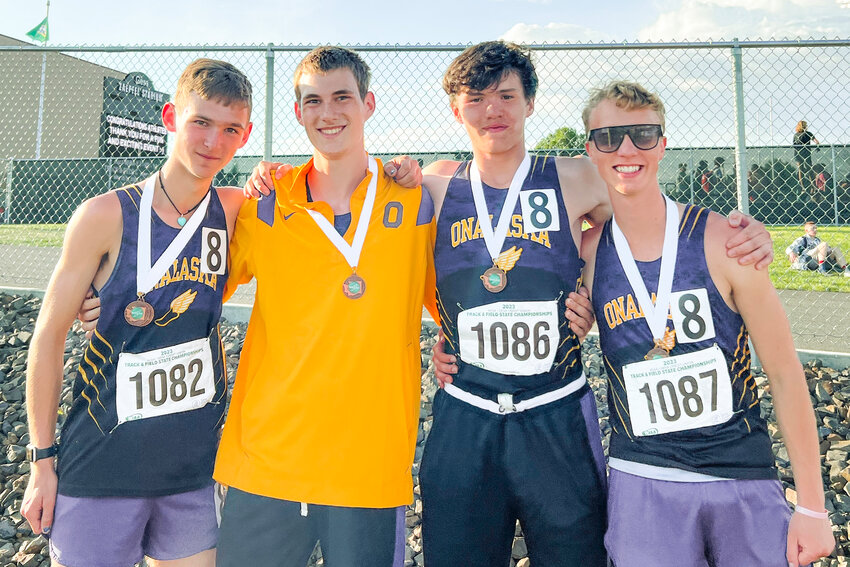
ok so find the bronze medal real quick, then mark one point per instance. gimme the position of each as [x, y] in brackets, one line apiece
[655, 353]
[139, 313]
[354, 287]
[495, 279]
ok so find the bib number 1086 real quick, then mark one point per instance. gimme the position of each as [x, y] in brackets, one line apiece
[519, 340]
[167, 386]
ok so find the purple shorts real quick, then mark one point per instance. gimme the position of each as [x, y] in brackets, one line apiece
[726, 523]
[110, 532]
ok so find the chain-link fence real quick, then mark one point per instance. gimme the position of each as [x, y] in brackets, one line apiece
[77, 121]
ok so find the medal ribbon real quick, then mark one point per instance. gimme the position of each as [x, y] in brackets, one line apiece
[352, 251]
[148, 275]
[495, 241]
[655, 315]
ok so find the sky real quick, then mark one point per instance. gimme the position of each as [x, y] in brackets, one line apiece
[783, 86]
[191, 22]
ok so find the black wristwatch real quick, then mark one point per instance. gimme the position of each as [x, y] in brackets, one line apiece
[35, 454]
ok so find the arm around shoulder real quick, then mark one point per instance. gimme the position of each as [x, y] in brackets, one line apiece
[231, 199]
[585, 193]
[241, 244]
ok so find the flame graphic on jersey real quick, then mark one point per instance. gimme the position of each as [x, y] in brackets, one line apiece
[179, 305]
[508, 259]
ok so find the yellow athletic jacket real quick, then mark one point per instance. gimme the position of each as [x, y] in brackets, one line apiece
[326, 403]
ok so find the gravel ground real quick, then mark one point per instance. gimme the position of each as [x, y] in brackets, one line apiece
[829, 388]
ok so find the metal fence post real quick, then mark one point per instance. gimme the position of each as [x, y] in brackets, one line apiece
[740, 139]
[267, 149]
[7, 214]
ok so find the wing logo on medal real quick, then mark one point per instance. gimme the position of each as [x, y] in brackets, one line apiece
[179, 305]
[496, 278]
[663, 346]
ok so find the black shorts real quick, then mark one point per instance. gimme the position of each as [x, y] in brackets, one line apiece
[481, 472]
[268, 532]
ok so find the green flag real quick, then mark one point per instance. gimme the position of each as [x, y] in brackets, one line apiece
[40, 32]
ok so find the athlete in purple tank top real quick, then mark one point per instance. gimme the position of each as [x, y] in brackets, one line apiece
[689, 452]
[137, 449]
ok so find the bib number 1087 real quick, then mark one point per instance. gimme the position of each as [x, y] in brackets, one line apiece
[683, 392]
[684, 396]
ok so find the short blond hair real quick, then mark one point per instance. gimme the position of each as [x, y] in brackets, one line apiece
[212, 79]
[627, 95]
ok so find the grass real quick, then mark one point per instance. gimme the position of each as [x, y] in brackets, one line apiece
[49, 235]
[781, 274]
[783, 277]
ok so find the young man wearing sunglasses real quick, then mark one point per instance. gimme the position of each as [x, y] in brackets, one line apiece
[515, 434]
[689, 452]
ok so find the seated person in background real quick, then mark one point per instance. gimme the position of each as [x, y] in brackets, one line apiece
[811, 253]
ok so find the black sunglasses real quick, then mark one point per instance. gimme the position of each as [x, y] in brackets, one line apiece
[643, 136]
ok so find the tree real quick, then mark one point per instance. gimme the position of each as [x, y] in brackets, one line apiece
[565, 138]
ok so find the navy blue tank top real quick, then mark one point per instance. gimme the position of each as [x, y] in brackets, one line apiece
[544, 267]
[165, 454]
[738, 448]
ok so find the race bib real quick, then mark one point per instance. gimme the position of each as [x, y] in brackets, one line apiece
[691, 313]
[539, 210]
[518, 338]
[213, 251]
[169, 380]
[682, 392]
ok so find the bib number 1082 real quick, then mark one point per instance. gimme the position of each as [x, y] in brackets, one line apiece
[173, 385]
[519, 340]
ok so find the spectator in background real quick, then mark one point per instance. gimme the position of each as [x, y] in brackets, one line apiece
[683, 181]
[755, 182]
[823, 182]
[803, 155]
[704, 175]
[809, 252]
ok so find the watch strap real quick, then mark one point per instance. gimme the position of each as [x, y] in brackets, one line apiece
[35, 454]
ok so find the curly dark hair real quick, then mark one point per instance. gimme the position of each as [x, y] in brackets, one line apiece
[484, 65]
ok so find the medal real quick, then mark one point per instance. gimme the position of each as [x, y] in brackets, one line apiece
[655, 315]
[656, 352]
[354, 287]
[139, 313]
[495, 279]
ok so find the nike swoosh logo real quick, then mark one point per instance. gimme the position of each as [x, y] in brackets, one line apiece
[286, 217]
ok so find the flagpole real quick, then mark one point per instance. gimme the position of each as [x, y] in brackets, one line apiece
[41, 92]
